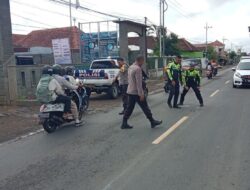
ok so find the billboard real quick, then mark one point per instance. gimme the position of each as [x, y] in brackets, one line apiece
[61, 50]
[98, 45]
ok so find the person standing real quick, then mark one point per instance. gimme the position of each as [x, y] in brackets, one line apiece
[136, 95]
[175, 78]
[123, 82]
[192, 79]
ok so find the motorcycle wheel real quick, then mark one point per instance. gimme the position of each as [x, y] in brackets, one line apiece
[48, 126]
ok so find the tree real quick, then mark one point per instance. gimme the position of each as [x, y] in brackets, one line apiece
[170, 48]
[211, 53]
[232, 55]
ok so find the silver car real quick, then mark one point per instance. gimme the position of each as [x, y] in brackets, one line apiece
[242, 74]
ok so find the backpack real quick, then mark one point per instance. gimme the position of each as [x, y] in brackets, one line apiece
[43, 94]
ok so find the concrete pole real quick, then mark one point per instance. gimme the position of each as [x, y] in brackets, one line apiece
[160, 28]
[70, 13]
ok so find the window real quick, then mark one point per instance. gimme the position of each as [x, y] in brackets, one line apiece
[33, 78]
[23, 80]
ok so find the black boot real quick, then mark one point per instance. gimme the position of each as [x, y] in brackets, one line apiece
[155, 123]
[170, 105]
[125, 125]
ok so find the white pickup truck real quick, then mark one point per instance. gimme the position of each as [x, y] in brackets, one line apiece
[102, 77]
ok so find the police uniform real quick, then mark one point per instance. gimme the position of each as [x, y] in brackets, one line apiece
[174, 74]
[191, 79]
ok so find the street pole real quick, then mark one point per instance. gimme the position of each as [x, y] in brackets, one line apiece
[163, 23]
[70, 13]
[207, 27]
[160, 28]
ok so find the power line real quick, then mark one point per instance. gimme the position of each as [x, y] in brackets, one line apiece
[46, 10]
[28, 26]
[35, 21]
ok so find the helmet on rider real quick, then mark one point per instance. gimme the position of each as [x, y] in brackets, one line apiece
[57, 70]
[70, 70]
[47, 70]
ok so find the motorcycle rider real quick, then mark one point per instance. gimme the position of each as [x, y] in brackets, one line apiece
[191, 79]
[69, 73]
[49, 90]
[58, 75]
[175, 77]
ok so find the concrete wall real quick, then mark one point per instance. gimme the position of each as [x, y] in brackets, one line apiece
[6, 54]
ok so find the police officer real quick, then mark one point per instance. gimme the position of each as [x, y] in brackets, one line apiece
[175, 78]
[191, 79]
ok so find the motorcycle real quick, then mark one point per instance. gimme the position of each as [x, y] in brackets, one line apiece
[209, 74]
[166, 86]
[215, 71]
[51, 115]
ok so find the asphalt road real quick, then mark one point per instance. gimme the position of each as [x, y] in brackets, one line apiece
[195, 149]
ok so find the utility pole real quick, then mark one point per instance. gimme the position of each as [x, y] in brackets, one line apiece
[163, 9]
[160, 27]
[207, 27]
[70, 13]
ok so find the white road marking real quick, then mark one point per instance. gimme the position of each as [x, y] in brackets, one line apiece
[170, 130]
[227, 82]
[23, 137]
[212, 95]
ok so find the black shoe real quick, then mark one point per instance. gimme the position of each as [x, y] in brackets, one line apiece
[180, 104]
[155, 123]
[170, 105]
[201, 105]
[127, 126]
[176, 107]
[121, 113]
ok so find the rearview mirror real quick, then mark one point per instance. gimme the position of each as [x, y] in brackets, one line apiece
[234, 69]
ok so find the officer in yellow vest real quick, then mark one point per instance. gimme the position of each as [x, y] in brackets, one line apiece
[175, 79]
[191, 79]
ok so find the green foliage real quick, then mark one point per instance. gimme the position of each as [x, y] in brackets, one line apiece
[211, 53]
[232, 55]
[170, 48]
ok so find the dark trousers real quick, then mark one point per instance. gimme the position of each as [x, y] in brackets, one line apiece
[66, 101]
[196, 91]
[132, 100]
[124, 89]
[174, 92]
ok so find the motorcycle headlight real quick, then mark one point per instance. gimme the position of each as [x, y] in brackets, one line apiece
[238, 75]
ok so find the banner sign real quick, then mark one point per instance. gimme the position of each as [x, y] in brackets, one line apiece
[61, 50]
[98, 45]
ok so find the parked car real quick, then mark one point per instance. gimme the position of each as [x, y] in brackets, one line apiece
[186, 64]
[242, 74]
[101, 77]
[245, 57]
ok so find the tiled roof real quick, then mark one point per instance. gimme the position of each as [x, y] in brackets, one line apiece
[43, 38]
[217, 43]
[185, 45]
[16, 38]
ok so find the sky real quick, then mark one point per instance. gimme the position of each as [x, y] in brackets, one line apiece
[187, 18]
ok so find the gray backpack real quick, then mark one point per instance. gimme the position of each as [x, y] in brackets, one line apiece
[43, 94]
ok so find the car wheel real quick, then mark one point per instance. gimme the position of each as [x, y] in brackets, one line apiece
[114, 91]
[234, 86]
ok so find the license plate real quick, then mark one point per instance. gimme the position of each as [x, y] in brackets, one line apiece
[43, 115]
[53, 108]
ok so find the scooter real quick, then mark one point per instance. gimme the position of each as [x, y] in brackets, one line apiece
[51, 115]
[209, 74]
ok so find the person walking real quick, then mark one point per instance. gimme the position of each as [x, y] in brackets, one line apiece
[136, 95]
[192, 79]
[175, 78]
[123, 82]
